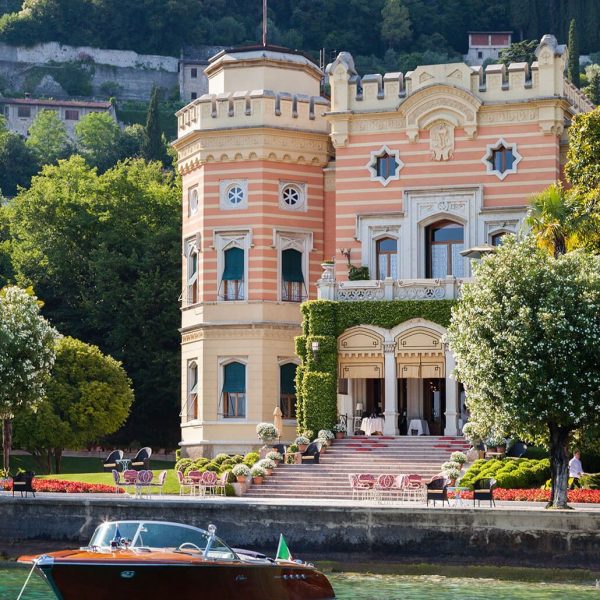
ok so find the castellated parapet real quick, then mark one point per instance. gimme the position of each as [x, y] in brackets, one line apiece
[496, 83]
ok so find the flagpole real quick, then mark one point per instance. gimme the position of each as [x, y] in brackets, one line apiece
[264, 27]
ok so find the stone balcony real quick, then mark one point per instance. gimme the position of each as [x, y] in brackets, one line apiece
[328, 288]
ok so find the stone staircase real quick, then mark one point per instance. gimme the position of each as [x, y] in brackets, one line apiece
[378, 454]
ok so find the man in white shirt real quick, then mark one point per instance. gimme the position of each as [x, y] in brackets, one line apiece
[575, 469]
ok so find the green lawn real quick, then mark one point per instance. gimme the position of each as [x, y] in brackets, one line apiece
[89, 470]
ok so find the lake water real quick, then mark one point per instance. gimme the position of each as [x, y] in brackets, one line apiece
[361, 586]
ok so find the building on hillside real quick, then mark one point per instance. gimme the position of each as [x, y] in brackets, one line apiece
[283, 189]
[21, 112]
[484, 45]
[193, 82]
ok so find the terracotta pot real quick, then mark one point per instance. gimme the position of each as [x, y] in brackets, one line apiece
[241, 478]
[269, 471]
[339, 435]
[302, 447]
[500, 448]
[257, 480]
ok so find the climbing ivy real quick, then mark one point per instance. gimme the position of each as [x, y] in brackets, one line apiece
[323, 322]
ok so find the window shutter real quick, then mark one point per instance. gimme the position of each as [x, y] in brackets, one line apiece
[234, 265]
[291, 265]
[235, 378]
[287, 377]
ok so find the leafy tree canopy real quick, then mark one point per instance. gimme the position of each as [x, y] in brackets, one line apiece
[519, 52]
[104, 253]
[87, 397]
[48, 138]
[18, 162]
[524, 335]
[99, 140]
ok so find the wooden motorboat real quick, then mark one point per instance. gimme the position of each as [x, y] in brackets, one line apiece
[156, 560]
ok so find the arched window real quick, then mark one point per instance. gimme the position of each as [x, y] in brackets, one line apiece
[386, 250]
[292, 279]
[444, 242]
[191, 411]
[232, 283]
[193, 289]
[287, 390]
[234, 390]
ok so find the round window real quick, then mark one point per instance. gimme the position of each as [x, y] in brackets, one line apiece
[194, 202]
[235, 195]
[291, 196]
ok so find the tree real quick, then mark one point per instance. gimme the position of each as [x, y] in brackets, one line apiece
[87, 397]
[153, 147]
[573, 45]
[99, 140]
[48, 138]
[104, 251]
[524, 335]
[519, 52]
[395, 23]
[552, 220]
[583, 157]
[26, 357]
[18, 163]
[592, 90]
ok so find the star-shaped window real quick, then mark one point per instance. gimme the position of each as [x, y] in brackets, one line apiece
[384, 165]
[501, 159]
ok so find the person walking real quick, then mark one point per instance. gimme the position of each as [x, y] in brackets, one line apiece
[575, 470]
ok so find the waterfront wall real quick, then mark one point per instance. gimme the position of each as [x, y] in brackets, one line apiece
[523, 536]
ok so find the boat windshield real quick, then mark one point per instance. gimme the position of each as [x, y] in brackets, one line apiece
[152, 534]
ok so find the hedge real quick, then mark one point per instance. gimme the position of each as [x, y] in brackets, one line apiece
[509, 473]
[324, 321]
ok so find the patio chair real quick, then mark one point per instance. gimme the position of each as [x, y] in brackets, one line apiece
[483, 489]
[23, 482]
[195, 479]
[209, 482]
[143, 482]
[415, 488]
[184, 483]
[437, 489]
[111, 461]
[117, 479]
[311, 454]
[160, 482]
[142, 459]
[221, 483]
[359, 490]
[384, 486]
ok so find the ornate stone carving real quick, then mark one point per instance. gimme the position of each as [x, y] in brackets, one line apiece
[376, 125]
[509, 116]
[389, 347]
[441, 141]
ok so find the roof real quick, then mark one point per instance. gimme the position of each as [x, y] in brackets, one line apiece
[490, 32]
[258, 50]
[200, 54]
[50, 102]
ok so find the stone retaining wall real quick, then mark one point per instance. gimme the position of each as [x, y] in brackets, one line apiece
[534, 537]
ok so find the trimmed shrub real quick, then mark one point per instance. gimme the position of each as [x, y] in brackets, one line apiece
[251, 458]
[183, 463]
[509, 473]
[237, 459]
[219, 458]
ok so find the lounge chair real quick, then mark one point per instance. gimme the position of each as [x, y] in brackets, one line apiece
[437, 489]
[517, 450]
[483, 489]
[184, 483]
[111, 461]
[23, 482]
[142, 459]
[311, 454]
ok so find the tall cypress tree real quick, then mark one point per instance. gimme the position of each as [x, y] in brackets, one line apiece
[573, 66]
[153, 147]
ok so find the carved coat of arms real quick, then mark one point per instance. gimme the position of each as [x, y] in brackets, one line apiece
[441, 141]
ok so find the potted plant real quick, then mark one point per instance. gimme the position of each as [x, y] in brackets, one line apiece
[340, 431]
[326, 436]
[302, 443]
[258, 474]
[292, 454]
[241, 471]
[451, 466]
[267, 432]
[267, 464]
[452, 475]
[275, 457]
[458, 457]
[358, 273]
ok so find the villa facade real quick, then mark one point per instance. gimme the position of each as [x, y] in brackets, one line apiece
[285, 188]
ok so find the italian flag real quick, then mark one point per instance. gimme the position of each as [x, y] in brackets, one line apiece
[283, 552]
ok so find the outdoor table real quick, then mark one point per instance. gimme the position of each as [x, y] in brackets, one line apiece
[124, 462]
[372, 424]
[458, 501]
[419, 426]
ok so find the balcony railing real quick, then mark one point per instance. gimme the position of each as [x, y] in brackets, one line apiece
[328, 288]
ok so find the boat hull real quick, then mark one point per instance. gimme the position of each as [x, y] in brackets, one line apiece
[106, 579]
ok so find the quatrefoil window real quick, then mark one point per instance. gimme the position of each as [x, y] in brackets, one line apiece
[384, 165]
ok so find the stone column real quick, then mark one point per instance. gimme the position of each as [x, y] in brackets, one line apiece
[390, 426]
[451, 397]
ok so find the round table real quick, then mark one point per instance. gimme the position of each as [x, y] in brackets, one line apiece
[124, 462]
[372, 424]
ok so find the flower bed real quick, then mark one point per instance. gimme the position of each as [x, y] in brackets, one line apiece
[538, 495]
[68, 487]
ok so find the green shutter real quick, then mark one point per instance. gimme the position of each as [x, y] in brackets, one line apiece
[287, 378]
[235, 378]
[291, 265]
[234, 265]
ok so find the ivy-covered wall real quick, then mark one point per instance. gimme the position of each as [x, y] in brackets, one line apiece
[324, 321]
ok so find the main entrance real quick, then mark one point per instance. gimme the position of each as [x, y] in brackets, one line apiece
[401, 374]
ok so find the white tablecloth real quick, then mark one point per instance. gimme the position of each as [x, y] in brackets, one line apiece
[372, 424]
[420, 425]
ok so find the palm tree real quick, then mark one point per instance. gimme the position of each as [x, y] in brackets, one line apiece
[552, 219]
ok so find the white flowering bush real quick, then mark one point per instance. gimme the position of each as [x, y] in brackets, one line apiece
[458, 457]
[257, 471]
[339, 428]
[267, 432]
[26, 355]
[325, 434]
[451, 465]
[267, 463]
[525, 337]
[452, 474]
[274, 456]
[241, 470]
[301, 440]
